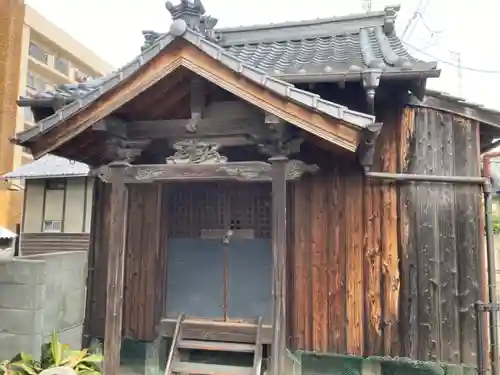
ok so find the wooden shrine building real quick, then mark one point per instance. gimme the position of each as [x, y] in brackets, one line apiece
[252, 193]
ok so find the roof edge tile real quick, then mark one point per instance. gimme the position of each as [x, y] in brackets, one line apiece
[217, 52]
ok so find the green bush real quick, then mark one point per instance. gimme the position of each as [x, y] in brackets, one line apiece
[54, 354]
[496, 225]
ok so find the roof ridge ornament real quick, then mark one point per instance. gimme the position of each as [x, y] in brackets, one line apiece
[193, 13]
[391, 13]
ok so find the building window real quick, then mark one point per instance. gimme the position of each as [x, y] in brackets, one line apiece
[36, 83]
[28, 115]
[55, 184]
[40, 84]
[30, 81]
[61, 65]
[38, 53]
[52, 226]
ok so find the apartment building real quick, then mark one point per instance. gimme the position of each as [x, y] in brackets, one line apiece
[35, 55]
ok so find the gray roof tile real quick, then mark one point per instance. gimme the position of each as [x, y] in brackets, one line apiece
[339, 54]
[49, 166]
[180, 29]
[322, 49]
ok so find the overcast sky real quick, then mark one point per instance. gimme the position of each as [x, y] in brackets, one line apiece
[445, 29]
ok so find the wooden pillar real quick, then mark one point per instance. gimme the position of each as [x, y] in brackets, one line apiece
[116, 265]
[278, 350]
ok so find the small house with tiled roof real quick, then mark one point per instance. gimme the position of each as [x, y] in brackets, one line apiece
[270, 190]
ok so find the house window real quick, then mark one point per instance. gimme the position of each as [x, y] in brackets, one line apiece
[38, 53]
[52, 226]
[61, 65]
[28, 115]
[55, 184]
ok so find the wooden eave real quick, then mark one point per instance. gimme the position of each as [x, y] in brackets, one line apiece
[182, 53]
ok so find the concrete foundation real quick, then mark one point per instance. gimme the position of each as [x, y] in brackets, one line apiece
[38, 294]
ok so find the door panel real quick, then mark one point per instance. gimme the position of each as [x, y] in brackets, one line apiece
[250, 279]
[203, 273]
[195, 278]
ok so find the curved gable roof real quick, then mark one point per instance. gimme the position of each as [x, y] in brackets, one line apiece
[357, 121]
[325, 49]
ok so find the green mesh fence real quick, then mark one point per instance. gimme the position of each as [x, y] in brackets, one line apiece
[307, 363]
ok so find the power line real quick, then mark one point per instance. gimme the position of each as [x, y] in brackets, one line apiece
[427, 27]
[367, 5]
[477, 70]
[412, 19]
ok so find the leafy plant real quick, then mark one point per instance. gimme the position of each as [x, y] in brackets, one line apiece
[54, 354]
[496, 225]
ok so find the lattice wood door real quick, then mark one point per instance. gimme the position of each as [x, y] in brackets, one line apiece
[208, 278]
[199, 206]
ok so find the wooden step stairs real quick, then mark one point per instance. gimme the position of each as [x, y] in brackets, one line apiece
[175, 364]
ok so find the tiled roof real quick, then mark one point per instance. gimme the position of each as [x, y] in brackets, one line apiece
[324, 49]
[49, 166]
[179, 29]
[328, 49]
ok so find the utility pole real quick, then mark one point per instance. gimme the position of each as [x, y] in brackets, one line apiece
[457, 56]
[367, 5]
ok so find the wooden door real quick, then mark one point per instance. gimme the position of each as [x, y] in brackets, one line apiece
[206, 277]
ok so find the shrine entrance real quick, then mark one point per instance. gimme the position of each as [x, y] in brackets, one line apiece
[219, 251]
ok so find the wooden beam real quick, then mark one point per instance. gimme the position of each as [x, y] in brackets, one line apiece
[278, 348]
[331, 129]
[116, 265]
[205, 128]
[198, 100]
[239, 171]
[108, 103]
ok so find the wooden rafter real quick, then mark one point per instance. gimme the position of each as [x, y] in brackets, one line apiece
[323, 126]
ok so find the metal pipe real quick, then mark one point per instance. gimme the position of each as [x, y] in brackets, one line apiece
[426, 178]
[490, 250]
[481, 360]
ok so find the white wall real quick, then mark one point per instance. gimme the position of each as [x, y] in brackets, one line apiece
[72, 205]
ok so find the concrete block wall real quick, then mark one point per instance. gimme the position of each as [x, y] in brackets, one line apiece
[37, 294]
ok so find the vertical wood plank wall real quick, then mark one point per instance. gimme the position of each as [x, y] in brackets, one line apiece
[145, 270]
[375, 268]
[145, 263]
[439, 249]
[380, 269]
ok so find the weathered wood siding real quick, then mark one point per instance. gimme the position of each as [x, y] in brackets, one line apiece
[380, 269]
[145, 265]
[375, 268]
[42, 243]
[439, 237]
[95, 311]
[344, 260]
